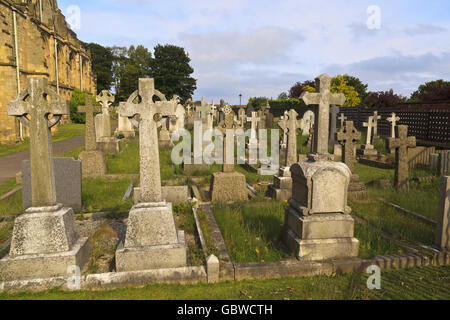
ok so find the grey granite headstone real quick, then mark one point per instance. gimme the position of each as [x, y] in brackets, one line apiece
[67, 183]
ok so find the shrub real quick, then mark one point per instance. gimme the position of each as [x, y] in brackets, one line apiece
[78, 99]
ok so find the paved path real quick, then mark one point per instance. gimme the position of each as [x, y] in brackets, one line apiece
[11, 164]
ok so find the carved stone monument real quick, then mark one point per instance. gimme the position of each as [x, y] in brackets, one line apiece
[105, 141]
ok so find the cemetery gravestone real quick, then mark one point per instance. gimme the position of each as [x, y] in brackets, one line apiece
[152, 240]
[45, 241]
[93, 163]
[228, 185]
[334, 111]
[393, 120]
[105, 141]
[401, 145]
[368, 149]
[318, 225]
[376, 117]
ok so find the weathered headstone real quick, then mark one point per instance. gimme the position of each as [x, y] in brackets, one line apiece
[228, 185]
[125, 127]
[318, 225]
[401, 145]
[368, 149]
[349, 138]
[334, 111]
[308, 120]
[93, 161]
[253, 141]
[342, 119]
[444, 163]
[105, 141]
[45, 241]
[376, 117]
[152, 240]
[443, 222]
[393, 119]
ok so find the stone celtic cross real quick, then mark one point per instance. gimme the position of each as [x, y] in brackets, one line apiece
[369, 125]
[292, 124]
[401, 145]
[147, 109]
[89, 109]
[349, 137]
[324, 99]
[105, 98]
[393, 119]
[38, 101]
[342, 118]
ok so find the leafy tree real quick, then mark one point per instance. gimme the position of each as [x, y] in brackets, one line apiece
[384, 99]
[340, 85]
[257, 102]
[356, 83]
[298, 88]
[102, 62]
[283, 96]
[79, 99]
[172, 72]
[437, 90]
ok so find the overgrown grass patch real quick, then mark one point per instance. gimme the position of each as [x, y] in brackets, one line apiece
[101, 195]
[7, 186]
[102, 245]
[251, 233]
[371, 243]
[12, 205]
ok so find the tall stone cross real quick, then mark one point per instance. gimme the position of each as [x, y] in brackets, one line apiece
[105, 98]
[393, 120]
[369, 125]
[38, 101]
[227, 124]
[188, 108]
[150, 175]
[282, 123]
[376, 117]
[342, 118]
[324, 98]
[334, 111]
[292, 125]
[348, 137]
[254, 119]
[401, 145]
[89, 109]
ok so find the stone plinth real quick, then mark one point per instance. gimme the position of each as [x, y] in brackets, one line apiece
[228, 186]
[44, 244]
[152, 240]
[109, 145]
[67, 183]
[318, 225]
[367, 150]
[356, 189]
[93, 163]
[125, 128]
[282, 185]
[172, 194]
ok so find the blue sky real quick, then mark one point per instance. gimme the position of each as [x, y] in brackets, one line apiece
[261, 48]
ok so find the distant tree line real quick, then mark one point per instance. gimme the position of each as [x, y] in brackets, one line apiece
[357, 95]
[120, 68]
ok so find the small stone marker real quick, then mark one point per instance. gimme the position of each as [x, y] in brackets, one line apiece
[401, 145]
[368, 149]
[349, 137]
[443, 222]
[253, 142]
[292, 125]
[93, 161]
[103, 121]
[152, 240]
[45, 241]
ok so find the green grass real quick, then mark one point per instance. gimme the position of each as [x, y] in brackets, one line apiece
[371, 243]
[71, 154]
[414, 284]
[250, 233]
[7, 186]
[105, 195]
[367, 173]
[12, 205]
[64, 132]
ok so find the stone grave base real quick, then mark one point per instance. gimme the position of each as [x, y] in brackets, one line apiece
[165, 144]
[109, 145]
[93, 163]
[228, 186]
[320, 249]
[368, 151]
[281, 189]
[356, 189]
[44, 244]
[191, 168]
[152, 241]
[67, 183]
[172, 194]
[125, 134]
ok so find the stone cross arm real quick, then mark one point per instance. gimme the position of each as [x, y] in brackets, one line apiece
[315, 98]
[89, 107]
[409, 142]
[165, 108]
